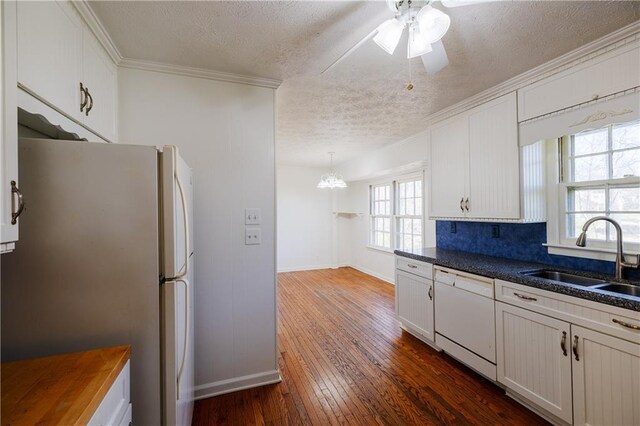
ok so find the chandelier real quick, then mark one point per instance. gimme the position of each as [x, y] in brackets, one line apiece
[332, 180]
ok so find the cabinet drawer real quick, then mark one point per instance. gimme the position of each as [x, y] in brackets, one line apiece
[116, 402]
[416, 267]
[586, 313]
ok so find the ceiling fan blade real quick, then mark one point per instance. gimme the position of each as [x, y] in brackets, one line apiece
[435, 60]
[457, 3]
[350, 51]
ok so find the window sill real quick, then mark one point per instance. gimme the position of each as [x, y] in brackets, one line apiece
[586, 252]
[382, 249]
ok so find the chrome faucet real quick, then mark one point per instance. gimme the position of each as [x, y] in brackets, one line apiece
[620, 261]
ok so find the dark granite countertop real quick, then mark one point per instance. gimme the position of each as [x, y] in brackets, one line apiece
[511, 270]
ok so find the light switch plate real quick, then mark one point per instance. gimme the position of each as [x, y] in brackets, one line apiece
[252, 236]
[252, 216]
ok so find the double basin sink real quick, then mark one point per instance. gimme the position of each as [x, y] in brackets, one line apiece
[592, 283]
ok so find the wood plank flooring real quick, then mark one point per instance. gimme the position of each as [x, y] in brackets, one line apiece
[345, 360]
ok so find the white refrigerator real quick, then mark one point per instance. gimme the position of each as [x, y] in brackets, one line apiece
[105, 258]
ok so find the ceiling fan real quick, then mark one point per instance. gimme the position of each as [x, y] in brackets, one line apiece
[426, 26]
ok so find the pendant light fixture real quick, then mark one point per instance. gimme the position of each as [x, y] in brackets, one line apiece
[332, 180]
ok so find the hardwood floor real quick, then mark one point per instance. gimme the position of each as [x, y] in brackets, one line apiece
[345, 360]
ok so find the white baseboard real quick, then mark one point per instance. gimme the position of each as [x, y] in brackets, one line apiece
[390, 280]
[237, 383]
[305, 268]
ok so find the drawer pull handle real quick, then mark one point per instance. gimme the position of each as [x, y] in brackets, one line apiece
[412, 266]
[462, 204]
[563, 343]
[430, 293]
[626, 324]
[15, 214]
[575, 348]
[524, 297]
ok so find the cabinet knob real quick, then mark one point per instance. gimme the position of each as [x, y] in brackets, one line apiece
[462, 204]
[466, 204]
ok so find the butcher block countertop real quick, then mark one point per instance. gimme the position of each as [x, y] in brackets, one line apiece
[63, 389]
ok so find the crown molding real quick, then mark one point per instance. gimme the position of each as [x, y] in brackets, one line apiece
[88, 15]
[611, 41]
[199, 73]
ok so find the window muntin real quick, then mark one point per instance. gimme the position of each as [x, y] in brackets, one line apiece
[409, 214]
[603, 179]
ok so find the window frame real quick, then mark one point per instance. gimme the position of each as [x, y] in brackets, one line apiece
[393, 217]
[373, 216]
[397, 217]
[559, 184]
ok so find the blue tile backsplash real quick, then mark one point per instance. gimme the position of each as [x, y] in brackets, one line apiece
[514, 241]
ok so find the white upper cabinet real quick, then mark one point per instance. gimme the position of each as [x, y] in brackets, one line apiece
[449, 167]
[61, 63]
[100, 79]
[10, 203]
[612, 72]
[50, 53]
[494, 172]
[476, 165]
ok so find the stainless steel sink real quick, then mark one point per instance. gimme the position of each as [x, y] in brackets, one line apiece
[564, 277]
[628, 289]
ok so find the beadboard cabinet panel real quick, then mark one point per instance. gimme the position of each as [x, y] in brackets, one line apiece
[50, 53]
[603, 75]
[414, 303]
[100, 77]
[494, 172]
[606, 379]
[534, 358]
[449, 167]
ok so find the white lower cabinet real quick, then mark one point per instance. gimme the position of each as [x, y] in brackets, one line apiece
[606, 379]
[576, 374]
[534, 358]
[115, 408]
[414, 304]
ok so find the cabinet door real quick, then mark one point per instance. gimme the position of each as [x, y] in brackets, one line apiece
[50, 53]
[9, 127]
[494, 171]
[449, 167]
[100, 77]
[534, 358]
[414, 303]
[606, 379]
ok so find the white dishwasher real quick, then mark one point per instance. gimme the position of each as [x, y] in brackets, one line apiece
[465, 319]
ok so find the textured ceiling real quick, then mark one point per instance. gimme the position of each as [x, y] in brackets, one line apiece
[362, 103]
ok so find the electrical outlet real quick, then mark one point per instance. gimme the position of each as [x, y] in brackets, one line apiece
[252, 216]
[495, 231]
[452, 227]
[252, 236]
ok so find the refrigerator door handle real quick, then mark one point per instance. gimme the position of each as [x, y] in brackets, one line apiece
[185, 215]
[185, 340]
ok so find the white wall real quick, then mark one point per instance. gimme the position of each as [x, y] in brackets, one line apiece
[305, 220]
[225, 131]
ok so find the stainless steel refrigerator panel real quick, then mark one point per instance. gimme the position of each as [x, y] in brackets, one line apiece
[85, 271]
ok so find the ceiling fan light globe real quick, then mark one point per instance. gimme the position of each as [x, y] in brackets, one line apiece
[388, 36]
[433, 24]
[417, 45]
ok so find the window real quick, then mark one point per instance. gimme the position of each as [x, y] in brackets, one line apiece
[381, 216]
[601, 177]
[396, 214]
[409, 214]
